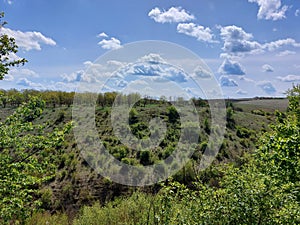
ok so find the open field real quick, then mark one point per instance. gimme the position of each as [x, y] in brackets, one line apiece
[268, 105]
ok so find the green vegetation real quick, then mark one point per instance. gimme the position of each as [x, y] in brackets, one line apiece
[28, 158]
[255, 178]
[7, 48]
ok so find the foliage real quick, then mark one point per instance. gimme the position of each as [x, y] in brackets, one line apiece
[173, 114]
[253, 190]
[279, 156]
[133, 210]
[294, 102]
[27, 159]
[263, 190]
[47, 218]
[8, 48]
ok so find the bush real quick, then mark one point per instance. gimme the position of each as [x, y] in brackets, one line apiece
[258, 112]
[133, 210]
[47, 218]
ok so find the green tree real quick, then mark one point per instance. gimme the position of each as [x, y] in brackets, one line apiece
[8, 47]
[173, 115]
[279, 156]
[28, 158]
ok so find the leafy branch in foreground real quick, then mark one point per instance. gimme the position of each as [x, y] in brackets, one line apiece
[8, 49]
[28, 158]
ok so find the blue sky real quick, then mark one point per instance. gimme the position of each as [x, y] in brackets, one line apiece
[252, 46]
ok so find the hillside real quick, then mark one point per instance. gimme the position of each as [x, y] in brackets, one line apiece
[76, 184]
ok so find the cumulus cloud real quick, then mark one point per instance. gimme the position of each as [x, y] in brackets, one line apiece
[241, 92]
[197, 31]
[28, 72]
[153, 66]
[102, 35]
[225, 81]
[152, 58]
[267, 68]
[172, 15]
[144, 69]
[28, 40]
[200, 72]
[297, 12]
[271, 46]
[111, 43]
[285, 53]
[231, 67]
[73, 77]
[78, 76]
[237, 42]
[27, 83]
[289, 78]
[17, 72]
[270, 9]
[116, 63]
[62, 86]
[267, 87]
[175, 75]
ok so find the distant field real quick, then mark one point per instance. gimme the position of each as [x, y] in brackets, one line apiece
[268, 105]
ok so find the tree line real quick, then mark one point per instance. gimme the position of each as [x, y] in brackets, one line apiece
[14, 98]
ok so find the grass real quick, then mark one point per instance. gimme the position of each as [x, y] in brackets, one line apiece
[268, 105]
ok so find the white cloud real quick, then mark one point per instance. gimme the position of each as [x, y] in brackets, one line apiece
[241, 92]
[121, 83]
[271, 46]
[270, 9]
[9, 2]
[62, 86]
[152, 58]
[267, 68]
[154, 67]
[29, 40]
[27, 83]
[20, 72]
[267, 87]
[174, 74]
[289, 78]
[73, 77]
[8, 77]
[112, 43]
[116, 63]
[172, 15]
[225, 81]
[231, 67]
[237, 42]
[143, 69]
[28, 72]
[78, 76]
[104, 35]
[243, 78]
[297, 12]
[197, 31]
[200, 72]
[286, 53]
[88, 63]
